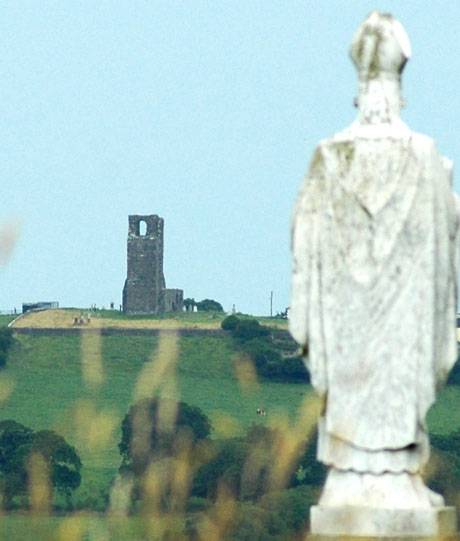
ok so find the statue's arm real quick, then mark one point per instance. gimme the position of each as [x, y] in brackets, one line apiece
[303, 245]
[298, 313]
[447, 304]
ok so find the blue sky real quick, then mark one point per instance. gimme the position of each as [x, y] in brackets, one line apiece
[204, 112]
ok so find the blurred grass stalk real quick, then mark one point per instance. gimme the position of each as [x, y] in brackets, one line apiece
[9, 235]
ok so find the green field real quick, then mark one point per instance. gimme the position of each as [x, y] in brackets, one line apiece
[47, 389]
[4, 320]
[17, 527]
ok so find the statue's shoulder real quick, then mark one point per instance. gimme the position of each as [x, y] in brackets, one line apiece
[357, 134]
[422, 142]
[425, 147]
[369, 132]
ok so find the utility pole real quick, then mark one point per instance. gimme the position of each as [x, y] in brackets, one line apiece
[271, 303]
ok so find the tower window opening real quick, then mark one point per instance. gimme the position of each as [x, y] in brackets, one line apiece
[142, 228]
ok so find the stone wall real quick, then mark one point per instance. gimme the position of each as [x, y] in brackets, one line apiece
[172, 300]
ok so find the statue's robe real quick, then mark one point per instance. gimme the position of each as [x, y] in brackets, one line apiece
[374, 294]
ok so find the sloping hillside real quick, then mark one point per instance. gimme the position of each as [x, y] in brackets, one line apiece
[82, 386]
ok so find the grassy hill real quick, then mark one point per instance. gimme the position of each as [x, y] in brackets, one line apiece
[46, 385]
[81, 385]
[113, 319]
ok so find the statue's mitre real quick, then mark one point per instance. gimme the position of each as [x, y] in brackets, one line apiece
[380, 47]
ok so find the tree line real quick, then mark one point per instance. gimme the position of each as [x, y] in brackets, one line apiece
[273, 352]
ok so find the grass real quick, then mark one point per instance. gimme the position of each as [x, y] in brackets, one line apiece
[19, 527]
[5, 320]
[443, 417]
[86, 527]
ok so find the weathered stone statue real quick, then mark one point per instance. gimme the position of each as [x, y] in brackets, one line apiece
[374, 301]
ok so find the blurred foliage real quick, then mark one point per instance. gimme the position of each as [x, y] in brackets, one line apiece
[177, 471]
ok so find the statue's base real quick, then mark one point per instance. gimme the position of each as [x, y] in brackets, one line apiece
[374, 522]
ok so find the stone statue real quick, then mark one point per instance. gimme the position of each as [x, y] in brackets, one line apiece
[374, 300]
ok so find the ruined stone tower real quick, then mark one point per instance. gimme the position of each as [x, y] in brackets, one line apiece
[144, 291]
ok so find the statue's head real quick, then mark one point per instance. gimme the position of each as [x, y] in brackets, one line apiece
[380, 50]
[380, 47]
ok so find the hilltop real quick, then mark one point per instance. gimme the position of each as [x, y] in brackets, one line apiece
[105, 319]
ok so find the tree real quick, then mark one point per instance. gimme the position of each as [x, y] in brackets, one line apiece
[209, 305]
[267, 359]
[143, 439]
[293, 369]
[6, 341]
[19, 443]
[62, 459]
[189, 304]
[230, 323]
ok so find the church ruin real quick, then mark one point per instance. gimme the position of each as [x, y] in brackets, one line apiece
[145, 290]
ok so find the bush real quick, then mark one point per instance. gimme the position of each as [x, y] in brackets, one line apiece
[230, 323]
[267, 360]
[247, 329]
[293, 369]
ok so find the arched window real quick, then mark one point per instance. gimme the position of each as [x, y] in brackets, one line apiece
[142, 228]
